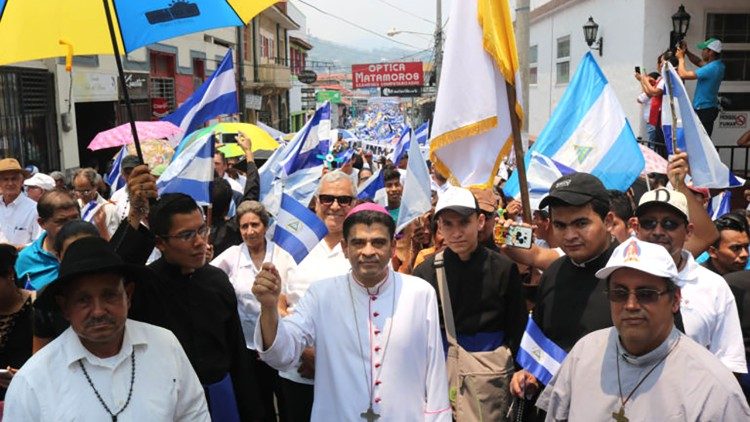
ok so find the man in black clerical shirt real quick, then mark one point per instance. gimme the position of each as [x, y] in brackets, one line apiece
[192, 299]
[570, 299]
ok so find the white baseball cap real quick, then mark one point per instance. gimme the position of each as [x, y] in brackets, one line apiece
[457, 199]
[671, 198]
[643, 256]
[711, 44]
[40, 180]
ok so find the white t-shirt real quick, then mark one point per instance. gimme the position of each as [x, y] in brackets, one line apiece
[709, 313]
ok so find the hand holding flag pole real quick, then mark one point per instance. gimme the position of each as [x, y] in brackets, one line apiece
[673, 139]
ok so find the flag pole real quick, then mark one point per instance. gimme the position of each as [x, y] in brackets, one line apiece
[123, 85]
[523, 184]
[673, 139]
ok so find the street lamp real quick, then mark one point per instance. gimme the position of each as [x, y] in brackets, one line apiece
[589, 33]
[681, 22]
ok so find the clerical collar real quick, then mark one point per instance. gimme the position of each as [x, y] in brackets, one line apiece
[653, 356]
[593, 260]
[377, 289]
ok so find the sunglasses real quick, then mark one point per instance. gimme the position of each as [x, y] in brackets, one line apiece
[667, 224]
[343, 200]
[189, 235]
[643, 296]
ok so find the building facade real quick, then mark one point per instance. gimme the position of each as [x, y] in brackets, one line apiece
[635, 32]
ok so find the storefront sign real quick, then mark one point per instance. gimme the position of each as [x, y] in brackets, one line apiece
[387, 74]
[253, 102]
[333, 96]
[92, 86]
[137, 84]
[401, 91]
[307, 76]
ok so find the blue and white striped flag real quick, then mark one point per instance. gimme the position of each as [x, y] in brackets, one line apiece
[298, 229]
[309, 143]
[422, 133]
[217, 96]
[719, 205]
[372, 185]
[114, 178]
[191, 172]
[417, 197]
[542, 173]
[538, 354]
[401, 146]
[706, 167]
[589, 133]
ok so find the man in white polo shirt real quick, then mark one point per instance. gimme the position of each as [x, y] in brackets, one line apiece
[18, 215]
[708, 308]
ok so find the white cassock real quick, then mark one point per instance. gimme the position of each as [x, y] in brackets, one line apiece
[397, 356]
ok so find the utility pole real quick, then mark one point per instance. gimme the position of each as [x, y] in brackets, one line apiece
[438, 40]
[522, 43]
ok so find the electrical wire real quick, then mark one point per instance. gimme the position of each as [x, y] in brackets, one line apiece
[407, 12]
[358, 26]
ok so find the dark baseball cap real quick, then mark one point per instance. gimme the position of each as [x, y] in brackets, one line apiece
[130, 161]
[576, 189]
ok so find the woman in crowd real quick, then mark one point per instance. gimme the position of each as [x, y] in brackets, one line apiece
[16, 313]
[241, 263]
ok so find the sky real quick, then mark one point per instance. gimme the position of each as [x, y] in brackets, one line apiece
[376, 15]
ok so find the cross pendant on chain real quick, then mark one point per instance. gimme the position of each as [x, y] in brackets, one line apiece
[370, 415]
[620, 416]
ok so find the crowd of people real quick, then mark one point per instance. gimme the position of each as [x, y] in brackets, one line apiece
[138, 306]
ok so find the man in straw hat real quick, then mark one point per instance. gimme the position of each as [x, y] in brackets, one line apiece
[105, 366]
[643, 368]
[18, 215]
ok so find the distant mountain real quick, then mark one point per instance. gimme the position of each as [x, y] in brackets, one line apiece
[343, 56]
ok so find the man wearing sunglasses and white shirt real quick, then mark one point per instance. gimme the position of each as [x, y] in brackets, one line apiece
[334, 198]
[643, 368]
[708, 308]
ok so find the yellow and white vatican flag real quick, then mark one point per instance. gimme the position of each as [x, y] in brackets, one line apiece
[471, 130]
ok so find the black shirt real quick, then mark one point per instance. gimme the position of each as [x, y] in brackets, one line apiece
[739, 282]
[15, 338]
[570, 300]
[200, 308]
[485, 293]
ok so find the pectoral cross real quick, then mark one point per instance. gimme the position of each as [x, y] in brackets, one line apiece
[370, 415]
[620, 416]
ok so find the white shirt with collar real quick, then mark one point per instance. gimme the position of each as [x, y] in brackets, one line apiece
[18, 221]
[709, 313]
[237, 263]
[52, 387]
[122, 202]
[322, 262]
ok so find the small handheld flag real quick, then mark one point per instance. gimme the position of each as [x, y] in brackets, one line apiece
[538, 354]
[298, 229]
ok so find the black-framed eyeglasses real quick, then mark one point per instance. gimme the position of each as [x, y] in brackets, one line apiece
[667, 224]
[343, 200]
[189, 235]
[644, 296]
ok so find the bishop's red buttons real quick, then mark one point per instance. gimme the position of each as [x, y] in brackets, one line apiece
[377, 332]
[377, 365]
[377, 348]
[378, 382]
[374, 297]
[377, 400]
[375, 314]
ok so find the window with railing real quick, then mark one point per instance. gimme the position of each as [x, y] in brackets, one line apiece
[733, 29]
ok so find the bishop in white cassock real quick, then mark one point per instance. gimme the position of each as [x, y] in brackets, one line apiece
[379, 352]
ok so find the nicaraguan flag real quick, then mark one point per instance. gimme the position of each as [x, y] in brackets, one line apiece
[311, 141]
[720, 204]
[417, 197]
[217, 96]
[298, 229]
[114, 178]
[538, 354]
[588, 132]
[191, 172]
[706, 167]
[422, 133]
[542, 172]
[372, 185]
[402, 145]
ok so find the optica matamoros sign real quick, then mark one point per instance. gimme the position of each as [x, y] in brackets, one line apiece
[387, 74]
